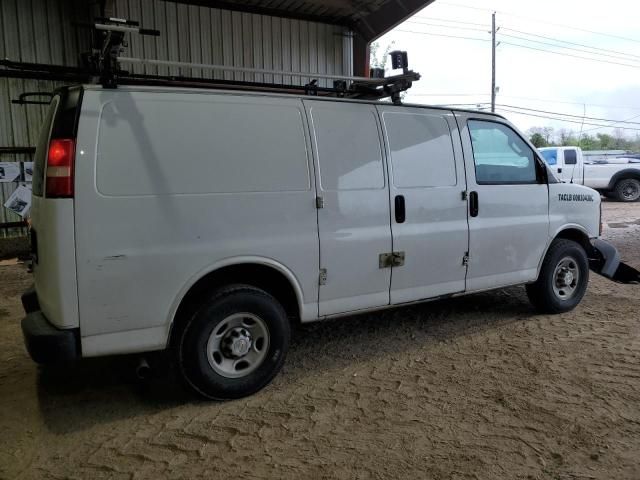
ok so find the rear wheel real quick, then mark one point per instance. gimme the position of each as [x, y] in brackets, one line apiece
[628, 190]
[235, 343]
[563, 278]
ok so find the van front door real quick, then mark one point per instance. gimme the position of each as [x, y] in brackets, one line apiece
[508, 204]
[429, 221]
[353, 206]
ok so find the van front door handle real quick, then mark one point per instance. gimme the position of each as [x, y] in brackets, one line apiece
[401, 213]
[474, 207]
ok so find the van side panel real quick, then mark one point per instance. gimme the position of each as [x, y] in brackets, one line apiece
[175, 183]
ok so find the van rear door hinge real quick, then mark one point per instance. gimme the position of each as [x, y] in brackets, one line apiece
[465, 195]
[465, 259]
[322, 279]
[319, 202]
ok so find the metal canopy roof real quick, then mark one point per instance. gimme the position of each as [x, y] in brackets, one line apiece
[370, 19]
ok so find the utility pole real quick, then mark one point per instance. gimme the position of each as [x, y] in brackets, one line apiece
[493, 62]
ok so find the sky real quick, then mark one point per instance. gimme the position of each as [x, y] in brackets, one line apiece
[458, 70]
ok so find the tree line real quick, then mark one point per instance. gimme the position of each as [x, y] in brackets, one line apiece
[549, 137]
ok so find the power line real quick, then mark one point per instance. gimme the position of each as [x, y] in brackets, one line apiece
[557, 115]
[452, 21]
[542, 21]
[613, 125]
[625, 57]
[569, 48]
[570, 43]
[573, 116]
[447, 94]
[542, 100]
[493, 61]
[447, 26]
[564, 119]
[570, 55]
[532, 99]
[443, 35]
[523, 46]
[472, 104]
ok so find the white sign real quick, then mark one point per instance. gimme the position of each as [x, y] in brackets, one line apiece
[20, 201]
[28, 171]
[9, 171]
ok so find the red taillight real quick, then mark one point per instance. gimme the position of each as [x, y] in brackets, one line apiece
[60, 168]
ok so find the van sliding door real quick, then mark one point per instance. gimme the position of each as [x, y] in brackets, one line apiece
[429, 211]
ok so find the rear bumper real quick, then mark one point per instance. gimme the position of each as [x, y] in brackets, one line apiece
[605, 260]
[46, 343]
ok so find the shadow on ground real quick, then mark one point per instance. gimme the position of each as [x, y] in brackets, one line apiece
[93, 391]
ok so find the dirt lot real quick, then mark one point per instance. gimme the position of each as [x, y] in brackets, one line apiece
[478, 387]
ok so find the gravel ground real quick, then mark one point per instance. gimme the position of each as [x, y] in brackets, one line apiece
[478, 387]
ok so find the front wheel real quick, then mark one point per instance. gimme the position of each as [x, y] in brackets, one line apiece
[235, 343]
[628, 190]
[563, 278]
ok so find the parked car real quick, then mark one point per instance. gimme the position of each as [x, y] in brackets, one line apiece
[619, 180]
[205, 221]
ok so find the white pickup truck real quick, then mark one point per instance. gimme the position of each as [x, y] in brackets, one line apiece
[616, 180]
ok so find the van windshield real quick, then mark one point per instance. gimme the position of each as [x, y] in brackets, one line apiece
[40, 157]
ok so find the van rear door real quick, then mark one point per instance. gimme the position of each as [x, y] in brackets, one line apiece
[52, 211]
[353, 214]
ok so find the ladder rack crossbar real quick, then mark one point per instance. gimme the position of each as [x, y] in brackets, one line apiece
[227, 68]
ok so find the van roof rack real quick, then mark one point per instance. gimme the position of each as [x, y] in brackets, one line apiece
[105, 62]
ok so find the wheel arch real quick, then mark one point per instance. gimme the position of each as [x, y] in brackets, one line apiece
[259, 272]
[574, 232]
[625, 174]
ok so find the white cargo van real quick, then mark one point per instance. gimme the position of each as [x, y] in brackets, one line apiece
[205, 221]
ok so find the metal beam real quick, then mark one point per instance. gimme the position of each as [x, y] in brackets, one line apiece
[267, 10]
[376, 24]
[361, 55]
[388, 16]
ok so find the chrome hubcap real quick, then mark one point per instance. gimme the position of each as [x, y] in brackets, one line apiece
[238, 345]
[565, 278]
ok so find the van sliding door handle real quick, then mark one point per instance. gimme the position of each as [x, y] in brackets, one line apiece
[474, 206]
[401, 213]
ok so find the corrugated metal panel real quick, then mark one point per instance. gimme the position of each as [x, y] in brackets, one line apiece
[19, 126]
[34, 31]
[44, 31]
[191, 33]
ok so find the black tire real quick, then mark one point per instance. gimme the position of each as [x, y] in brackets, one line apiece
[194, 359]
[543, 293]
[627, 190]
